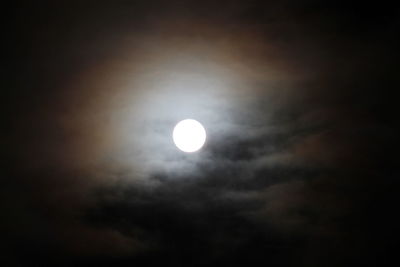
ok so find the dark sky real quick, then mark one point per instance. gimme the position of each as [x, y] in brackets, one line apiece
[298, 101]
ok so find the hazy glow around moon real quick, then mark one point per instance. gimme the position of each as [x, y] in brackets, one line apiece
[189, 135]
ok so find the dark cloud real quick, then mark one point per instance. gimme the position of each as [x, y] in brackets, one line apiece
[298, 103]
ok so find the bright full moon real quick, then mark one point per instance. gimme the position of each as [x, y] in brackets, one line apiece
[189, 135]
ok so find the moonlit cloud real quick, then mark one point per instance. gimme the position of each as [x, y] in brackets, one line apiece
[295, 170]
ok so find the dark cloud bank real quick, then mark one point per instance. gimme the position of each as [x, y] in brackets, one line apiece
[299, 168]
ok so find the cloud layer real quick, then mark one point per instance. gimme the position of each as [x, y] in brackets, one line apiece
[296, 101]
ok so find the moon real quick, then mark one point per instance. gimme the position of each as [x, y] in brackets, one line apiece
[189, 135]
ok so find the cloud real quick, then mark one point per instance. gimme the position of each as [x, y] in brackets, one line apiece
[290, 96]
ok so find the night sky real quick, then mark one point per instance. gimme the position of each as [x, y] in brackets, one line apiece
[298, 101]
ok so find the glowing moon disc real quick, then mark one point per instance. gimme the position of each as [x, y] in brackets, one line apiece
[189, 135]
